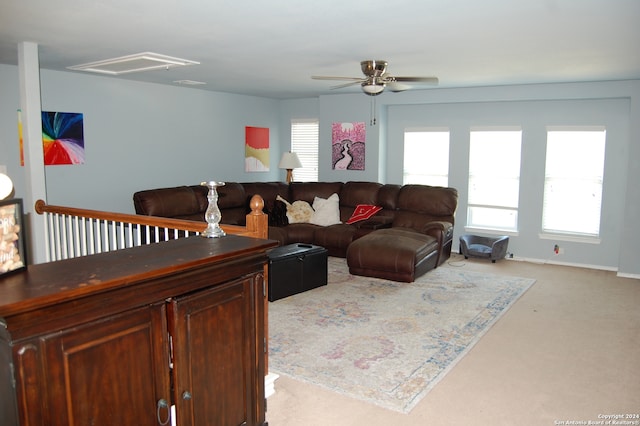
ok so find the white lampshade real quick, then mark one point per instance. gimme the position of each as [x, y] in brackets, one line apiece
[6, 186]
[289, 161]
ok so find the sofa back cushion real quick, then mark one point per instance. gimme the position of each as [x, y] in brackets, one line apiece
[231, 195]
[167, 202]
[307, 191]
[420, 204]
[354, 193]
[269, 191]
[232, 204]
[388, 196]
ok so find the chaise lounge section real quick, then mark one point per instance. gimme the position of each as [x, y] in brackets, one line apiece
[410, 234]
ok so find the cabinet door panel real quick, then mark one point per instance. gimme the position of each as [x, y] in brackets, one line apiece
[110, 372]
[29, 385]
[8, 402]
[214, 355]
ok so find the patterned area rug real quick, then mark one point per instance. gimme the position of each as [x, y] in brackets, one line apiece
[384, 342]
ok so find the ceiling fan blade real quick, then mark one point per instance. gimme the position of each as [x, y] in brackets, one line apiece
[341, 86]
[320, 77]
[430, 80]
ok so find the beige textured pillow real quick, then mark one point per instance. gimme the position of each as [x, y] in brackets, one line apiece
[298, 211]
[326, 212]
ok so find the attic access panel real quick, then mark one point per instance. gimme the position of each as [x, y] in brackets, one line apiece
[139, 62]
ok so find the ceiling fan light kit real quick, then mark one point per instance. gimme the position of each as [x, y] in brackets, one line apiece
[372, 88]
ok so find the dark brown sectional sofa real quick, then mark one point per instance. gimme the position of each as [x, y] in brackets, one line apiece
[410, 235]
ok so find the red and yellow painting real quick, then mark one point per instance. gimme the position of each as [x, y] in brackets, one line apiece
[256, 149]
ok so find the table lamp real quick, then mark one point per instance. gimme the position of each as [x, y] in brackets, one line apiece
[289, 161]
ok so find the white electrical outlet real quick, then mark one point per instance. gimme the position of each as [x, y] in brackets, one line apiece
[3, 169]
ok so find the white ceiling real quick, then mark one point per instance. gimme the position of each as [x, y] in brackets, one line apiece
[271, 48]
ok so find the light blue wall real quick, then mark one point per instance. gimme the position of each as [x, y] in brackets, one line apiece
[141, 136]
[614, 104]
[532, 117]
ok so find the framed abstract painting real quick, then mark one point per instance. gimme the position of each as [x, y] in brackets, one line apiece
[347, 146]
[256, 149]
[63, 138]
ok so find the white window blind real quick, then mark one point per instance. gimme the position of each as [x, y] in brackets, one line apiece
[494, 179]
[573, 181]
[304, 142]
[426, 157]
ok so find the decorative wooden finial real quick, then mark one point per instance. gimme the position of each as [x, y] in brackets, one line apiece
[256, 204]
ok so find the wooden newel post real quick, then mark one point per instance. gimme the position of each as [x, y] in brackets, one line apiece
[257, 220]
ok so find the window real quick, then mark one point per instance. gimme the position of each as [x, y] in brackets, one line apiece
[573, 181]
[426, 157]
[494, 179]
[304, 142]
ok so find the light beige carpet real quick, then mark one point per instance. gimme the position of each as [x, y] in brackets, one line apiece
[567, 350]
[382, 341]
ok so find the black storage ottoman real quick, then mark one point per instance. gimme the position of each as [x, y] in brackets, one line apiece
[296, 268]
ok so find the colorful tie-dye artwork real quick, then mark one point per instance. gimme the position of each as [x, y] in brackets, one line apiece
[63, 138]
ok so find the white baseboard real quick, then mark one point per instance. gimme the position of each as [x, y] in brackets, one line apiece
[625, 275]
[555, 262]
[270, 384]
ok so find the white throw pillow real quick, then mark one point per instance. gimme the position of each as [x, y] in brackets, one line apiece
[326, 212]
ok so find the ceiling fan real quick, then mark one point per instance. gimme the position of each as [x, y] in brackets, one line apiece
[376, 79]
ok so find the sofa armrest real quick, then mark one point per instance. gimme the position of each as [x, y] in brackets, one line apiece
[439, 229]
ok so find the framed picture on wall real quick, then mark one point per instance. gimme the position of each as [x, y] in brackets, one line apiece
[12, 240]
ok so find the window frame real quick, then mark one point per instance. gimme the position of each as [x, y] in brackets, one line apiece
[568, 235]
[473, 176]
[428, 179]
[308, 154]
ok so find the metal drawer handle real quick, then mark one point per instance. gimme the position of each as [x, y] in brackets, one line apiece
[162, 403]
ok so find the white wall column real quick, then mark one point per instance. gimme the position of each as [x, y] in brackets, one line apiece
[29, 70]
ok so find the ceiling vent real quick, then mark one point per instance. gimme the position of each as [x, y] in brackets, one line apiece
[139, 62]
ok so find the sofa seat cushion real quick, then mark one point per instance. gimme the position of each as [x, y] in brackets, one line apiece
[301, 232]
[279, 234]
[395, 254]
[335, 238]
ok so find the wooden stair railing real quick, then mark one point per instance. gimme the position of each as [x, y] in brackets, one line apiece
[72, 232]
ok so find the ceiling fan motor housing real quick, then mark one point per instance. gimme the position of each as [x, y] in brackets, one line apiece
[373, 68]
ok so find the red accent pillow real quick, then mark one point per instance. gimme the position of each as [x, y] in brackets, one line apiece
[363, 212]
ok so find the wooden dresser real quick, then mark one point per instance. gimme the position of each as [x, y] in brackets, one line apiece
[118, 338]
